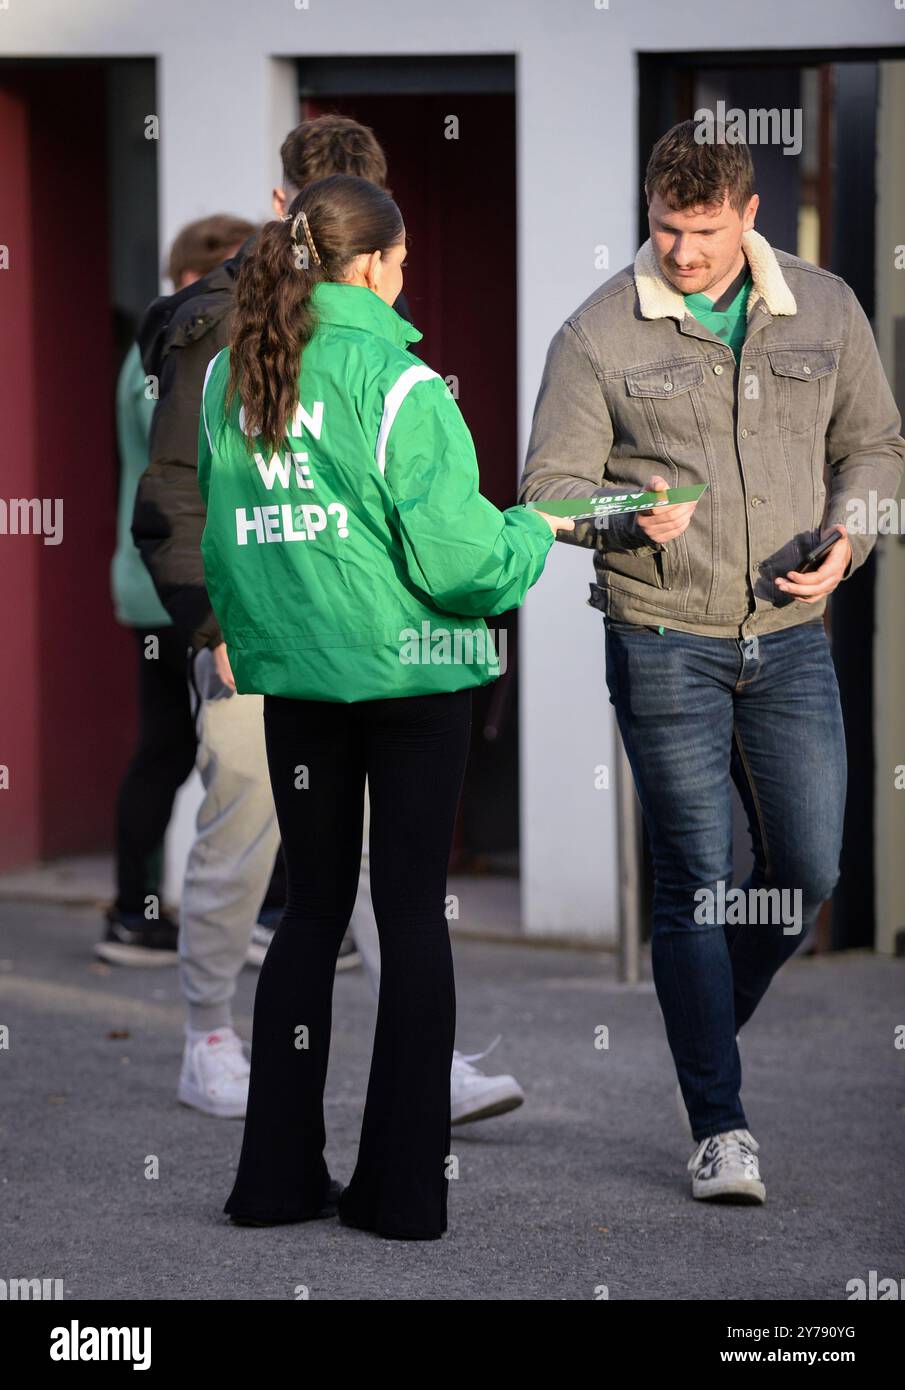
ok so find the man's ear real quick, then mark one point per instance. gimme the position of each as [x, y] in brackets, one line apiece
[751, 213]
[279, 201]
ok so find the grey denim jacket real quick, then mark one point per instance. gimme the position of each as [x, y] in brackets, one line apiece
[635, 385]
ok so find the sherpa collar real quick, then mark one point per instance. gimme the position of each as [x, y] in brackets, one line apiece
[660, 300]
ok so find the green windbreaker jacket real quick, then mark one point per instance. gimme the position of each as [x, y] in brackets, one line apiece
[359, 562]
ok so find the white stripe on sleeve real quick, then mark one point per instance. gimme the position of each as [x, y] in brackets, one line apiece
[394, 398]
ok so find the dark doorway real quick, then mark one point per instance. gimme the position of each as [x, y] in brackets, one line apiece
[447, 126]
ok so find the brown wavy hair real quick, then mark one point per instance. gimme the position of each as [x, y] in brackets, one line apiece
[273, 319]
[206, 243]
[332, 144]
[688, 174]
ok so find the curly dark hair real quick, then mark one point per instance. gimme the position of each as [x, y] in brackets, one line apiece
[273, 317]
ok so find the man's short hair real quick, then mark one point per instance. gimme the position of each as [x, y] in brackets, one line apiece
[332, 145]
[687, 173]
[206, 243]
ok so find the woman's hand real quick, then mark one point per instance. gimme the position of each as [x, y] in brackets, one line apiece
[558, 523]
[222, 666]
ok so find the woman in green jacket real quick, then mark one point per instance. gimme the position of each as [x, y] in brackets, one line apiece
[351, 560]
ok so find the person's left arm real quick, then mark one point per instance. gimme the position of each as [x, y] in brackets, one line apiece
[865, 452]
[460, 551]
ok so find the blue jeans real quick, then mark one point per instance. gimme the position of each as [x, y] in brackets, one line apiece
[694, 712]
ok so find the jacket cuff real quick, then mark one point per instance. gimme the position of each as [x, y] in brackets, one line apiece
[862, 542]
[861, 548]
[620, 533]
[623, 533]
[208, 635]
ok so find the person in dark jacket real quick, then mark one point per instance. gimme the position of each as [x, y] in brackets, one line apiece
[137, 931]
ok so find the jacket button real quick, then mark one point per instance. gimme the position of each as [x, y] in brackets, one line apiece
[806, 369]
[718, 370]
[744, 434]
[756, 501]
[667, 386]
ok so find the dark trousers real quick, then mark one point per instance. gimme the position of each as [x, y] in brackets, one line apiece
[696, 714]
[163, 758]
[413, 753]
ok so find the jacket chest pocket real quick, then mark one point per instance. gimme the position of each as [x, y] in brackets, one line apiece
[661, 399]
[806, 380]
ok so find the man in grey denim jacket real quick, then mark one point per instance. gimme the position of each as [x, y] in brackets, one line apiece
[634, 387]
[718, 664]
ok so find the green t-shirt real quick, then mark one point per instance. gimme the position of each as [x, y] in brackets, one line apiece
[727, 316]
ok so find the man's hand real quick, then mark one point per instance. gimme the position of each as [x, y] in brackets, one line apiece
[814, 585]
[663, 524]
[222, 666]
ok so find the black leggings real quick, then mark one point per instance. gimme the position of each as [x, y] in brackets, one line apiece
[413, 752]
[163, 758]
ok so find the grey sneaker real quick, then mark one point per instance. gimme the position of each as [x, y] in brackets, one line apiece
[724, 1168]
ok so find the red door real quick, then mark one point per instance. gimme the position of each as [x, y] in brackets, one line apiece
[66, 686]
[458, 199]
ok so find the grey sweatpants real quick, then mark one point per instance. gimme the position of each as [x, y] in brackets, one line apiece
[232, 857]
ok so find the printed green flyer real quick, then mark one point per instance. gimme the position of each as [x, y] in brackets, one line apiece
[608, 501]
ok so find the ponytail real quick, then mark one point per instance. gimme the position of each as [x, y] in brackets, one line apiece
[274, 319]
[328, 224]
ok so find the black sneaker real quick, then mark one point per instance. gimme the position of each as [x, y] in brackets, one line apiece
[131, 939]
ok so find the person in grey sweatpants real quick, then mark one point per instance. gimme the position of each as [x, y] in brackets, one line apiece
[228, 869]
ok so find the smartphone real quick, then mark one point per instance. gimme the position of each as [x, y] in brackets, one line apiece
[815, 557]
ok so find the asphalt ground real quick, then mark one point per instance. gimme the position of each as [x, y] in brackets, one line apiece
[584, 1187]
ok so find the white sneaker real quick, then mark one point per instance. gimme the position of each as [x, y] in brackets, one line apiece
[349, 957]
[474, 1096]
[724, 1168]
[261, 938]
[214, 1075]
